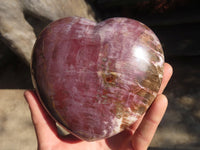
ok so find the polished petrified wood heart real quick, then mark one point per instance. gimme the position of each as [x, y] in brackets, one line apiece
[96, 79]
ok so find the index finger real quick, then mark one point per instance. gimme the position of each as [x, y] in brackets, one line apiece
[166, 76]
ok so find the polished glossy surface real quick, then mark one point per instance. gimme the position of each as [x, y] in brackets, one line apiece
[97, 79]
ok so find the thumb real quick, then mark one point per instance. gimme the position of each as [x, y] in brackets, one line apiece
[45, 127]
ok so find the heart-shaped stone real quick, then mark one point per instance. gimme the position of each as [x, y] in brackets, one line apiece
[96, 79]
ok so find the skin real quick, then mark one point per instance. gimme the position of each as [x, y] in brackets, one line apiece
[137, 137]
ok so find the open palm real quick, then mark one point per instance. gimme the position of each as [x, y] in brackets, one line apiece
[137, 137]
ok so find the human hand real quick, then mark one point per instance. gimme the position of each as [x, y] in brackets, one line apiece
[137, 137]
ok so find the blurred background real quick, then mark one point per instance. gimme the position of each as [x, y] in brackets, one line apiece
[177, 25]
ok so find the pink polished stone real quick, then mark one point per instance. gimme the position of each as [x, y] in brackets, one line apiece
[96, 79]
